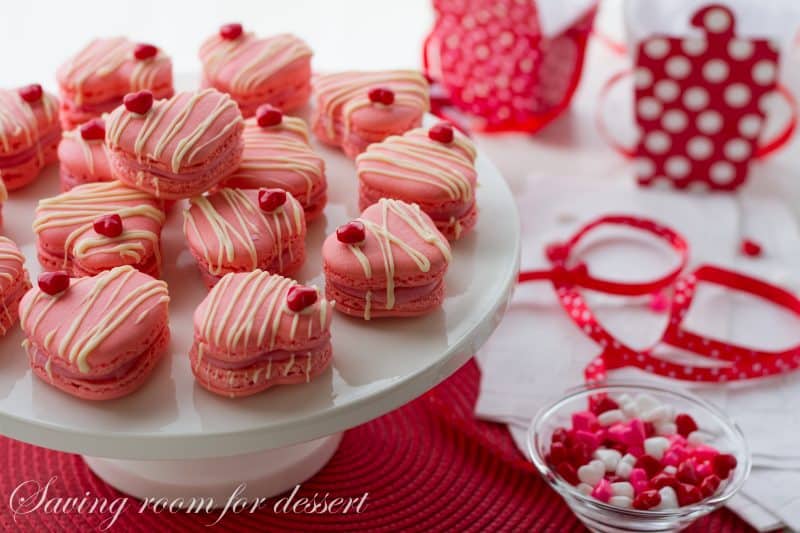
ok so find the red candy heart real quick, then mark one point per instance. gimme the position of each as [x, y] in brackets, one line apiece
[381, 95]
[267, 115]
[649, 464]
[561, 435]
[139, 103]
[271, 199]
[230, 31]
[687, 473]
[646, 499]
[685, 424]
[664, 480]
[598, 404]
[688, 494]
[352, 233]
[144, 51]
[300, 297]
[722, 464]
[751, 248]
[710, 485]
[442, 133]
[53, 283]
[31, 93]
[94, 130]
[109, 225]
[558, 453]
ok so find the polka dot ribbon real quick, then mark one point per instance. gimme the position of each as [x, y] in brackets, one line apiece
[725, 361]
[701, 104]
[492, 68]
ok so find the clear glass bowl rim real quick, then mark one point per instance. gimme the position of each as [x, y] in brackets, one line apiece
[740, 474]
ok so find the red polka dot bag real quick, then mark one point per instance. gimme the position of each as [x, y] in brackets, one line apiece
[701, 102]
[501, 65]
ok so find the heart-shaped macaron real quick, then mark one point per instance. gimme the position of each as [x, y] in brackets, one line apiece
[94, 81]
[82, 155]
[101, 336]
[438, 174]
[397, 269]
[29, 134]
[67, 236]
[239, 230]
[279, 155]
[274, 70]
[351, 114]
[14, 282]
[178, 148]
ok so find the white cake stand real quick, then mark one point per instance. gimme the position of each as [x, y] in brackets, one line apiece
[173, 439]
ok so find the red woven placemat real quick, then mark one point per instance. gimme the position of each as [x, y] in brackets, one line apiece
[428, 466]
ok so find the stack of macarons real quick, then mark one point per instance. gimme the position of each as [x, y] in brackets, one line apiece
[96, 323]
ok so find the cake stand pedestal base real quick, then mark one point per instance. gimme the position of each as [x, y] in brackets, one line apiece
[266, 474]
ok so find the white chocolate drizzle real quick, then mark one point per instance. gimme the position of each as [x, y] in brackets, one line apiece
[263, 58]
[126, 293]
[234, 216]
[346, 92]
[78, 208]
[413, 156]
[18, 117]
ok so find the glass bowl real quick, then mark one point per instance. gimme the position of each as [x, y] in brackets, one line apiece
[718, 430]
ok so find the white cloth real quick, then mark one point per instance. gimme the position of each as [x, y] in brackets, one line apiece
[537, 351]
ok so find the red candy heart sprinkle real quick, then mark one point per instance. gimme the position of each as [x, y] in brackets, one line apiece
[109, 225]
[688, 494]
[53, 283]
[568, 472]
[94, 130]
[271, 199]
[230, 31]
[685, 424]
[139, 103]
[751, 248]
[646, 499]
[31, 93]
[352, 233]
[710, 485]
[144, 51]
[300, 297]
[381, 95]
[442, 133]
[267, 115]
[722, 464]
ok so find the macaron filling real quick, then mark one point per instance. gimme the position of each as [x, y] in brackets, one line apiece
[402, 295]
[26, 154]
[115, 373]
[274, 356]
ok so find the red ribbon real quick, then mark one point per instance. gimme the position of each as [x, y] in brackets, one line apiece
[727, 361]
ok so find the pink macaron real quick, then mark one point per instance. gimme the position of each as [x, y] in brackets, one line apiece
[99, 226]
[29, 134]
[274, 70]
[99, 337]
[239, 230]
[175, 148]
[82, 155]
[95, 80]
[389, 262]
[431, 167]
[355, 109]
[14, 283]
[277, 154]
[255, 330]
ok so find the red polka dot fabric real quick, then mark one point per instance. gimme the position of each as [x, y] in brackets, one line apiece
[700, 103]
[491, 61]
[428, 466]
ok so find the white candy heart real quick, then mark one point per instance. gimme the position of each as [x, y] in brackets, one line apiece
[656, 446]
[695, 437]
[584, 489]
[610, 458]
[621, 501]
[629, 458]
[622, 488]
[592, 472]
[669, 500]
[611, 417]
[624, 470]
[624, 398]
[669, 469]
[662, 413]
[630, 409]
[645, 402]
[665, 428]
